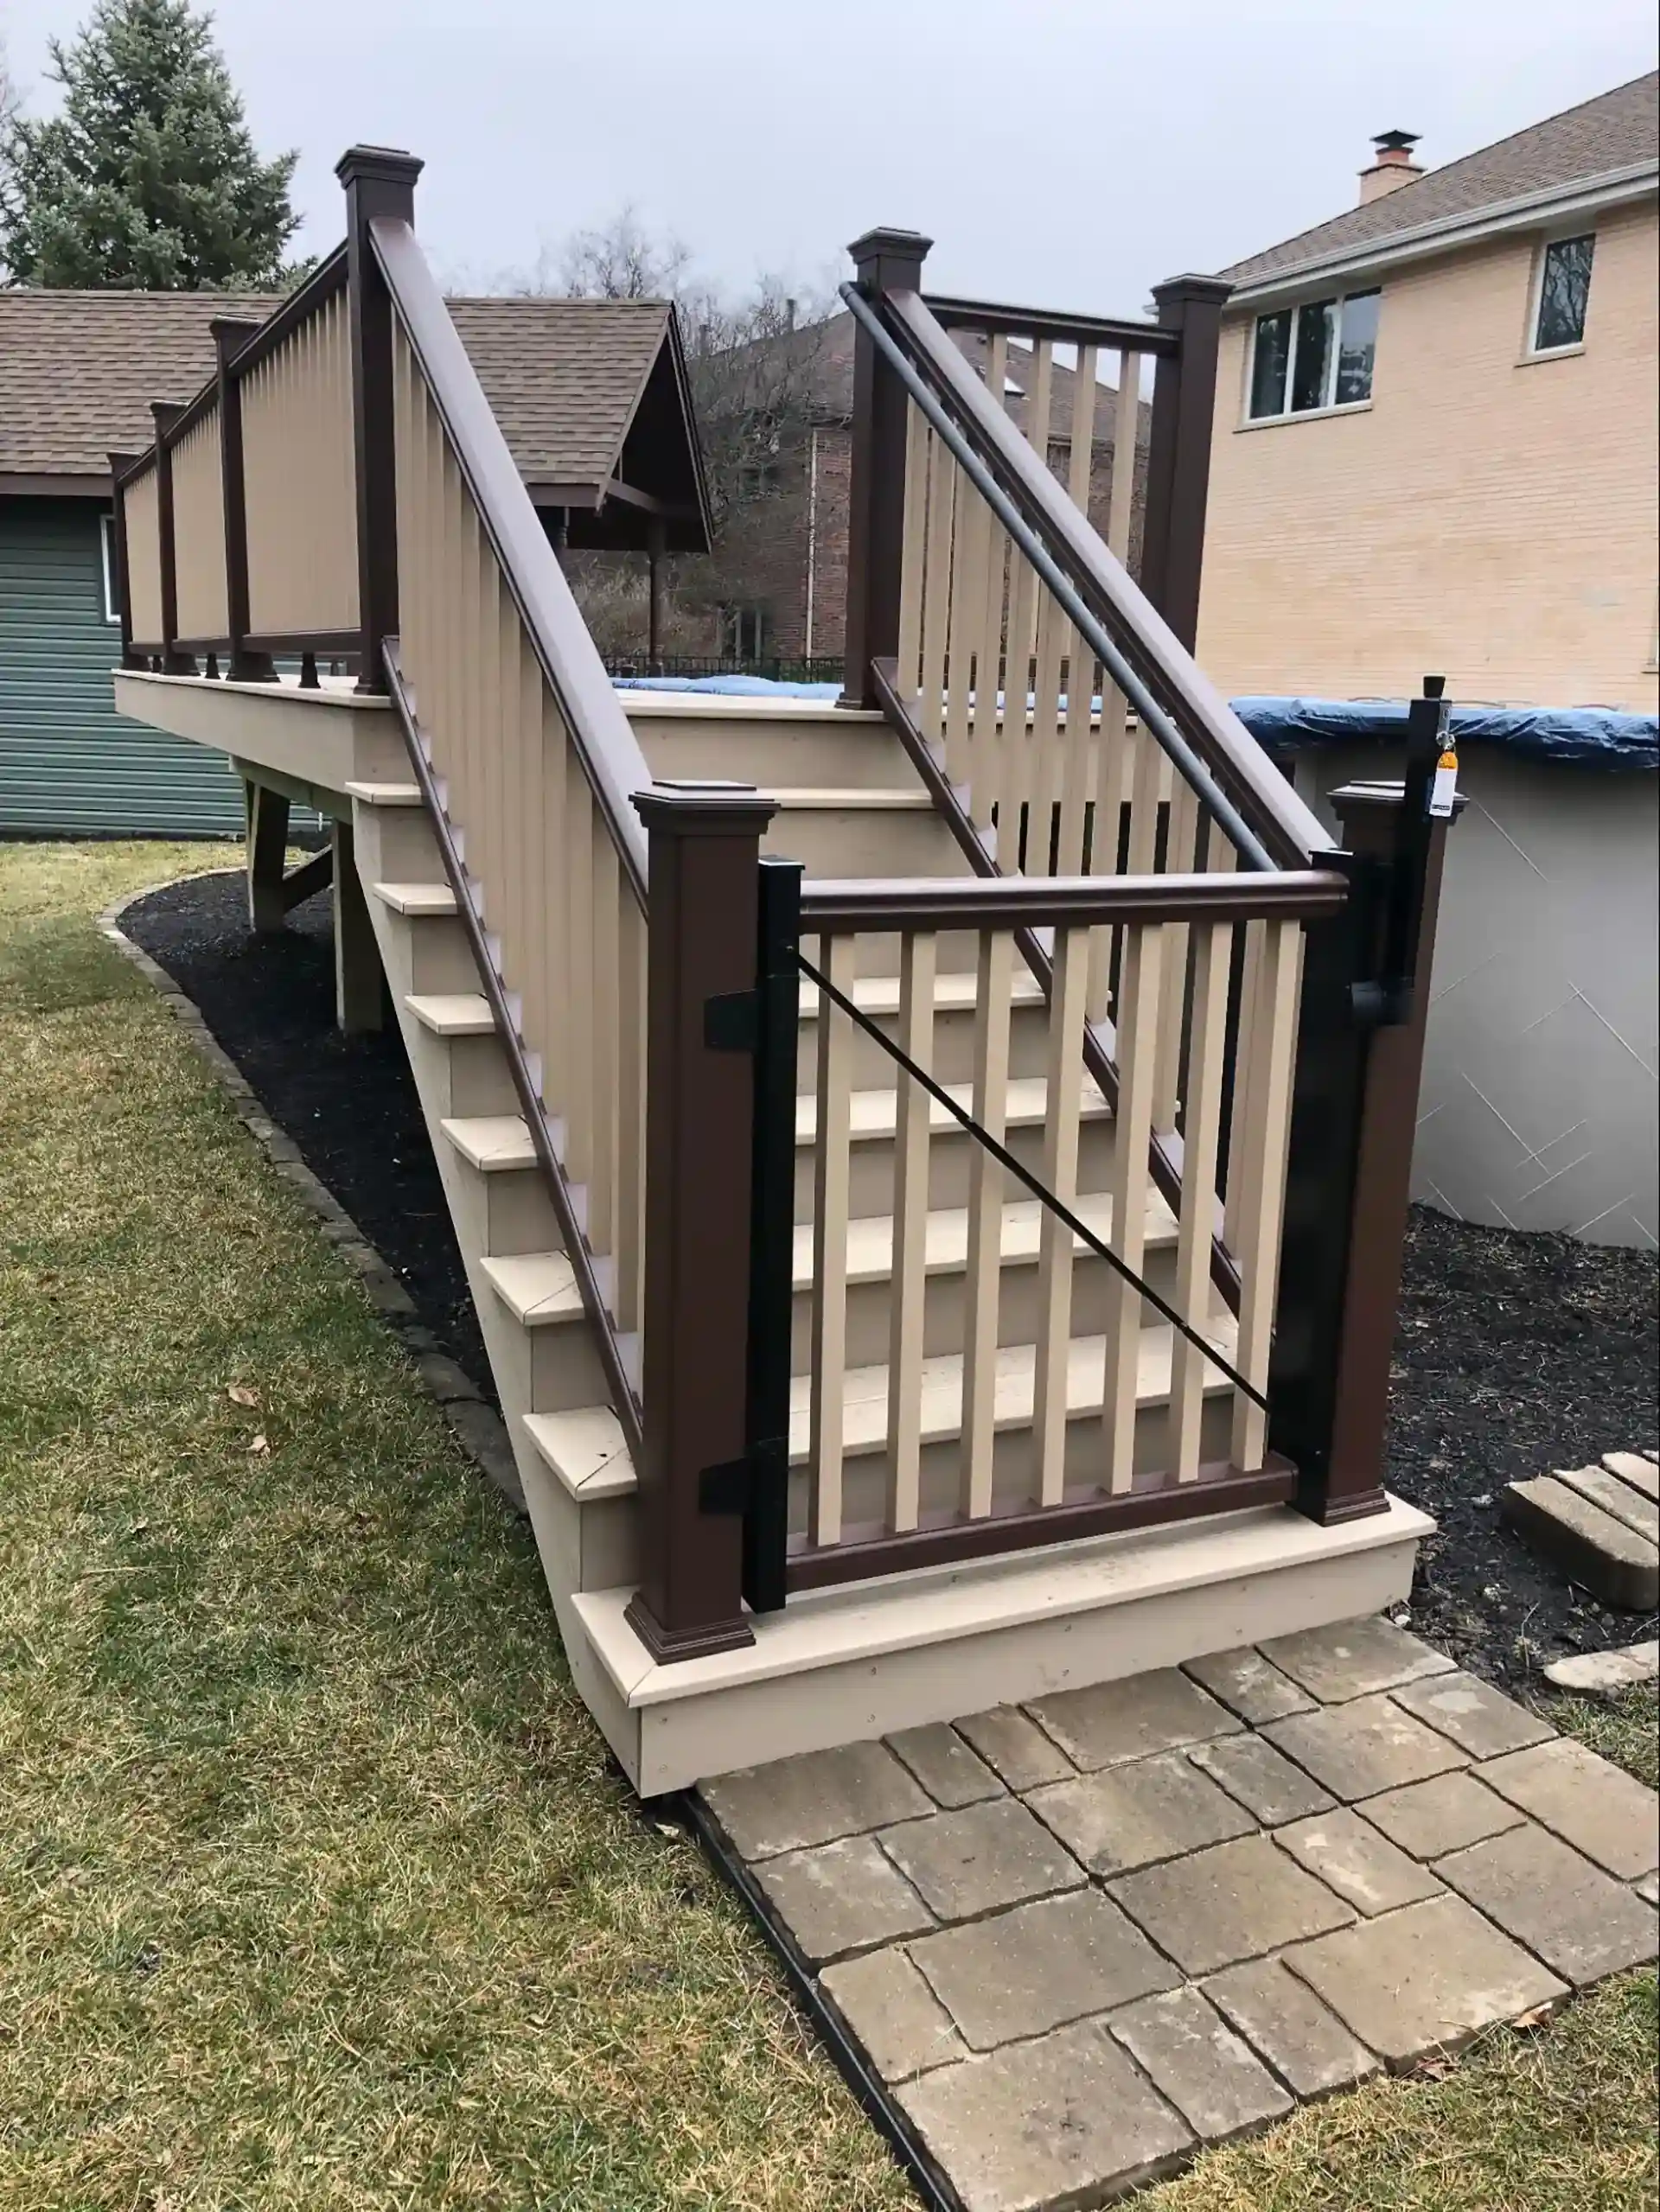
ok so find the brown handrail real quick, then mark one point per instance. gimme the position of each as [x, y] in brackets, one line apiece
[1291, 830]
[1066, 901]
[1108, 330]
[570, 661]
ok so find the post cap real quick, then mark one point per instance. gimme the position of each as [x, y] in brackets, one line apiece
[231, 333]
[382, 165]
[692, 807]
[890, 260]
[1192, 286]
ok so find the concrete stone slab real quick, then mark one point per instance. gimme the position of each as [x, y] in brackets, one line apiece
[1611, 1561]
[1235, 1901]
[1013, 1746]
[1429, 1819]
[1605, 1674]
[842, 1898]
[1595, 1806]
[1134, 1815]
[1648, 1888]
[1302, 2039]
[1581, 1923]
[1022, 1972]
[1623, 1501]
[1428, 1978]
[1218, 2085]
[952, 1774]
[1263, 1780]
[1639, 1469]
[894, 2013]
[1248, 1685]
[1112, 1722]
[1068, 2119]
[1473, 1715]
[1363, 1748]
[1354, 1659]
[980, 1860]
[1351, 1858]
[794, 1803]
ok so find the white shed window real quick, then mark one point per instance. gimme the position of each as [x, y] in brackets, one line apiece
[106, 547]
[1308, 359]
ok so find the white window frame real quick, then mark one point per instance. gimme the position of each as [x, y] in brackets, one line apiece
[1532, 349]
[1294, 308]
[733, 618]
[106, 549]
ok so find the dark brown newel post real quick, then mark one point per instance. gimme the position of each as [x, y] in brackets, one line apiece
[119, 464]
[1179, 457]
[242, 667]
[700, 1020]
[884, 261]
[1365, 1005]
[379, 181]
[165, 413]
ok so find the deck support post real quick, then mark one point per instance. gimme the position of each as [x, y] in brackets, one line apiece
[1360, 1057]
[359, 998]
[267, 814]
[883, 260]
[701, 1026]
[1179, 454]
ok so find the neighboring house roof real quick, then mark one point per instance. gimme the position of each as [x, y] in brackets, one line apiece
[1599, 138]
[591, 395]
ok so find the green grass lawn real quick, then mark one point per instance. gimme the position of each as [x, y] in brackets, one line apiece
[316, 1889]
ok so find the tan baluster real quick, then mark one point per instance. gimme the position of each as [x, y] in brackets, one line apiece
[833, 1165]
[1213, 944]
[1261, 1171]
[1140, 986]
[1065, 1089]
[985, 1178]
[918, 965]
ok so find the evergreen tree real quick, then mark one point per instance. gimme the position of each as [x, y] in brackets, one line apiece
[148, 179]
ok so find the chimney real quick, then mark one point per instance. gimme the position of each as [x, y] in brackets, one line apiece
[1392, 167]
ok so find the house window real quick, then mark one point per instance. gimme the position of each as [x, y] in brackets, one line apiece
[743, 632]
[1308, 359]
[758, 479]
[1564, 294]
[106, 547]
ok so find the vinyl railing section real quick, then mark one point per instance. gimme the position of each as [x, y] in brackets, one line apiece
[138, 537]
[297, 469]
[196, 465]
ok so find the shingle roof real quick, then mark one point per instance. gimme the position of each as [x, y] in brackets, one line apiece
[1614, 131]
[564, 377]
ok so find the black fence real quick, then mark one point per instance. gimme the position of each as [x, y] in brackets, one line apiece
[821, 669]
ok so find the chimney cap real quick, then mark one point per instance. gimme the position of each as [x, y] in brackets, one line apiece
[1396, 144]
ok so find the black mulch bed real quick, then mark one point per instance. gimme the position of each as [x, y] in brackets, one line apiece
[1516, 1353]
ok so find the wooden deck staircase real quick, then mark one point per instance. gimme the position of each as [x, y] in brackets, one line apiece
[913, 1280]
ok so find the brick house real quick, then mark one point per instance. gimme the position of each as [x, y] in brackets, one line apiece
[1436, 438]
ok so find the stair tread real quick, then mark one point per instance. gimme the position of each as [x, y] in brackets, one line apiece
[879, 994]
[870, 1238]
[873, 1112]
[586, 1450]
[384, 794]
[416, 898]
[452, 1014]
[864, 1390]
[864, 798]
[492, 1142]
[536, 1287]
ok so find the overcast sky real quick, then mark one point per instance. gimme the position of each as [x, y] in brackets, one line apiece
[1067, 153]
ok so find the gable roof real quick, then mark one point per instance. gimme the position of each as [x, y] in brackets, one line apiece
[1615, 132]
[588, 392]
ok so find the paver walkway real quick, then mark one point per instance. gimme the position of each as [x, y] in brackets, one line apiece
[1082, 1938]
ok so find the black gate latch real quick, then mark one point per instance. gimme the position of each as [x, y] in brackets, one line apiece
[731, 1021]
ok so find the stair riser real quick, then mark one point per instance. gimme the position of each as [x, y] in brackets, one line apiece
[475, 1080]
[828, 755]
[440, 958]
[870, 1308]
[379, 755]
[953, 1057]
[507, 1213]
[867, 1476]
[949, 1162]
[591, 1543]
[835, 842]
[395, 844]
[553, 1369]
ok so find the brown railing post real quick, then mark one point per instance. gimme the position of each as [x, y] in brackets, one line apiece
[119, 464]
[883, 260]
[701, 1025]
[1178, 456]
[379, 181]
[1365, 1004]
[165, 413]
[230, 336]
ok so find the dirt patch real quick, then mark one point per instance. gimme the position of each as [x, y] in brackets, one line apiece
[1516, 1353]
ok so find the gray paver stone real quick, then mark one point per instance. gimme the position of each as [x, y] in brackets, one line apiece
[1444, 1813]
[1302, 2040]
[1234, 1901]
[1648, 1887]
[842, 1896]
[1428, 1977]
[1111, 1722]
[793, 1803]
[1636, 1467]
[1217, 2083]
[1066, 2121]
[986, 1856]
[1613, 1562]
[1248, 1685]
[1605, 1674]
[1582, 1924]
[894, 2013]
[1020, 1973]
[1473, 1715]
[1263, 1780]
[1351, 1858]
[1589, 1802]
[1355, 1659]
[1015, 1747]
[1132, 1815]
[1620, 1499]
[1359, 1750]
[951, 1774]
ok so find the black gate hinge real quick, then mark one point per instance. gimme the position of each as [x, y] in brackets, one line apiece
[726, 1488]
[731, 1021]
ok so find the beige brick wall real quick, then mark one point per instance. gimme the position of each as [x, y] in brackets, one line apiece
[1487, 518]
